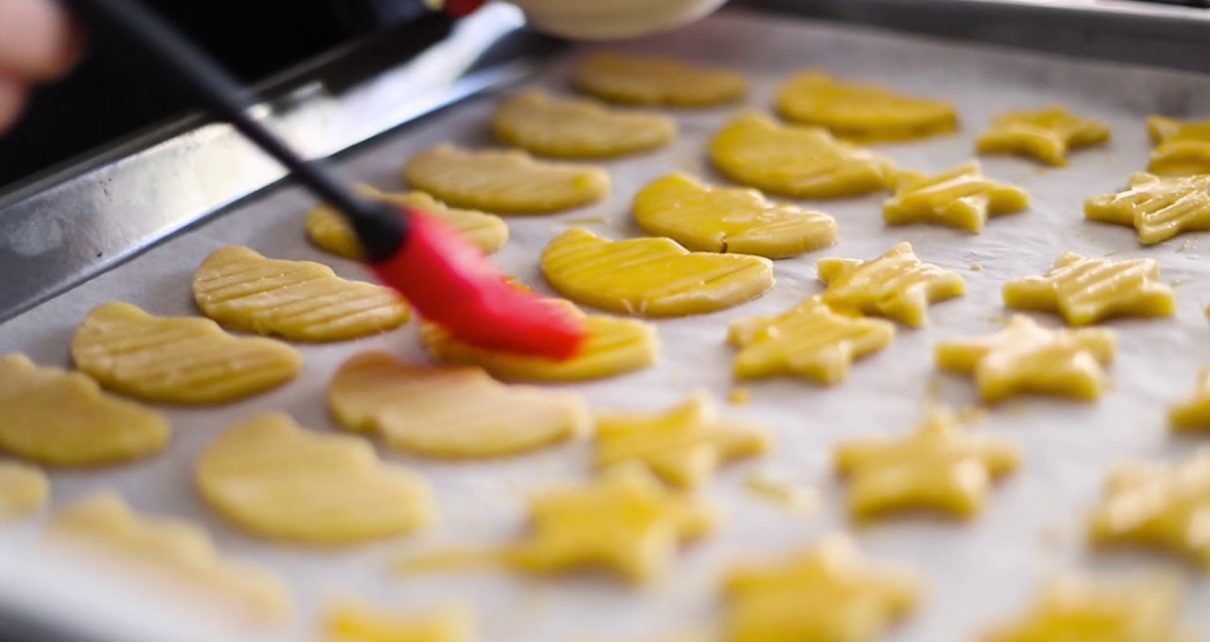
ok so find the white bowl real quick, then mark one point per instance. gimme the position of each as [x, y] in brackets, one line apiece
[612, 19]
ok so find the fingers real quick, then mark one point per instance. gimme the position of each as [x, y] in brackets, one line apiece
[38, 41]
[12, 100]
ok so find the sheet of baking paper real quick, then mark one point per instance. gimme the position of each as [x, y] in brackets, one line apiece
[976, 572]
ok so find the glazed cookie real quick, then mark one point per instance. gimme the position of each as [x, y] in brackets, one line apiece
[1045, 134]
[1182, 148]
[1084, 291]
[862, 112]
[349, 622]
[576, 128]
[897, 285]
[962, 198]
[1158, 208]
[656, 81]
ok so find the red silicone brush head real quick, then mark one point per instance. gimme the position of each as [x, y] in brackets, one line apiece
[451, 283]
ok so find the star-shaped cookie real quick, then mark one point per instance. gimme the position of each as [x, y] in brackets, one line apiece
[626, 522]
[1163, 506]
[1045, 134]
[897, 285]
[828, 593]
[810, 340]
[1193, 414]
[1158, 208]
[1085, 290]
[1025, 357]
[961, 197]
[1182, 148]
[938, 467]
[683, 445]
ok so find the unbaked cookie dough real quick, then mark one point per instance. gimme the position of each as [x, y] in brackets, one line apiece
[1045, 134]
[174, 550]
[1182, 148]
[504, 181]
[450, 412]
[296, 300]
[897, 285]
[961, 197]
[1084, 291]
[329, 231]
[862, 112]
[652, 277]
[177, 359]
[1158, 208]
[347, 622]
[23, 490]
[810, 340]
[797, 161]
[709, 218]
[60, 418]
[577, 128]
[644, 80]
[1193, 414]
[277, 480]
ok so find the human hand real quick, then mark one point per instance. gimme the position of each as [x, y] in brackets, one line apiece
[38, 43]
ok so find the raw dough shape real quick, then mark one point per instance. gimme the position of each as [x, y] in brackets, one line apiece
[577, 128]
[328, 230]
[862, 112]
[613, 347]
[1078, 608]
[810, 340]
[297, 300]
[896, 285]
[708, 218]
[60, 418]
[1085, 291]
[177, 359]
[1193, 415]
[797, 161]
[683, 445]
[23, 490]
[1182, 148]
[626, 522]
[1025, 357]
[1158, 208]
[504, 181]
[277, 480]
[175, 550]
[361, 623]
[456, 412]
[829, 593]
[1045, 134]
[1157, 505]
[656, 81]
[651, 277]
[961, 197]
[938, 467]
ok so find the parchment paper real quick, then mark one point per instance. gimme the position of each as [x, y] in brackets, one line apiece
[976, 572]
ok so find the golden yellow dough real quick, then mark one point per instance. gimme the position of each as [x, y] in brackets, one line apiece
[810, 340]
[1044, 134]
[1158, 208]
[177, 359]
[1025, 357]
[172, 549]
[1080, 608]
[450, 412]
[826, 593]
[1182, 148]
[362, 623]
[1193, 414]
[797, 161]
[577, 128]
[644, 80]
[862, 112]
[651, 277]
[23, 490]
[708, 218]
[277, 480]
[939, 467]
[504, 181]
[683, 445]
[328, 230]
[297, 300]
[61, 418]
[961, 197]
[1157, 506]
[897, 285]
[1084, 291]
[625, 522]
[613, 347]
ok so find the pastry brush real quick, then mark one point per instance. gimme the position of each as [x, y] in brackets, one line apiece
[446, 279]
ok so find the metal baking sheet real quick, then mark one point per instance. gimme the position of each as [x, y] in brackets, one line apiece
[976, 572]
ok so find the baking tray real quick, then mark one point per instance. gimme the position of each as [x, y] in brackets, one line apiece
[977, 572]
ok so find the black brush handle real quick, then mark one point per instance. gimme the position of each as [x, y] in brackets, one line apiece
[380, 228]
